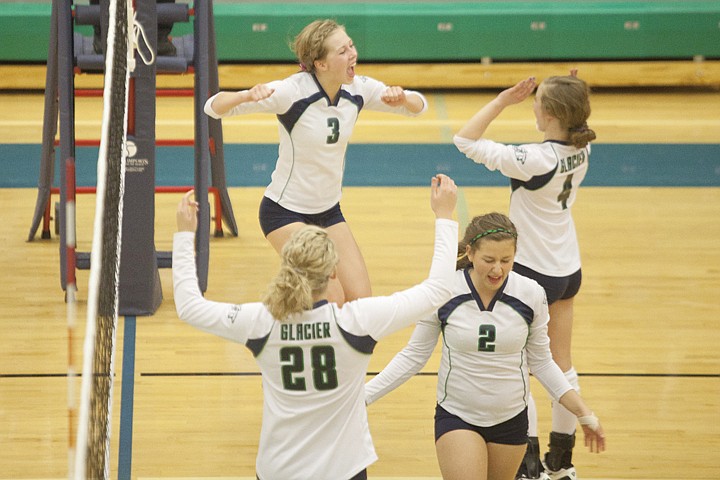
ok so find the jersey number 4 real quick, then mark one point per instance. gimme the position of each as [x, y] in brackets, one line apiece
[322, 361]
[565, 193]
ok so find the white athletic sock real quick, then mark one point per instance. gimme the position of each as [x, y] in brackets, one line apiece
[532, 417]
[564, 421]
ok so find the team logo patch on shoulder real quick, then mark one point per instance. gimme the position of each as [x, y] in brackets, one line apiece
[362, 78]
[233, 313]
[520, 154]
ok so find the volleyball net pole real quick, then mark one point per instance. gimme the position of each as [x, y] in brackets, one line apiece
[92, 448]
[124, 281]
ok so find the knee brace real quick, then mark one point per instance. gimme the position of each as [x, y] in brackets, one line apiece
[560, 453]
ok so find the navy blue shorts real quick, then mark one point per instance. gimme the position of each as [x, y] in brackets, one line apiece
[556, 288]
[509, 432]
[273, 216]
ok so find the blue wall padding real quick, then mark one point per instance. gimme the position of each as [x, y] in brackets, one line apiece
[399, 165]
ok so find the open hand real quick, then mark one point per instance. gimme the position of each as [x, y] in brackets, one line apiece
[519, 92]
[443, 197]
[186, 215]
[594, 433]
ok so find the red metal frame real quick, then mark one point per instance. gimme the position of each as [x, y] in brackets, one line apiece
[173, 189]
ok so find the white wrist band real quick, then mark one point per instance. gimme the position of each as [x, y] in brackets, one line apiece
[590, 421]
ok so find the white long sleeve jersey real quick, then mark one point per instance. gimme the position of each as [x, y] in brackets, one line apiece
[313, 365]
[545, 178]
[314, 135]
[486, 352]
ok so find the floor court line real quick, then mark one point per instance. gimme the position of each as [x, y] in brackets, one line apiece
[369, 477]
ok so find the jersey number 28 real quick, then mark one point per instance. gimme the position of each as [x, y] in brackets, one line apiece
[322, 361]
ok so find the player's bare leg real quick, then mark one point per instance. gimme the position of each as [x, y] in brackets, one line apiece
[352, 273]
[558, 460]
[462, 455]
[504, 460]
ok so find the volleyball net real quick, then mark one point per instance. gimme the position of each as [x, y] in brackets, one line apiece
[91, 450]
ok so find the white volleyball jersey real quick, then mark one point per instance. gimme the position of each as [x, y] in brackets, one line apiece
[314, 135]
[486, 352]
[545, 178]
[314, 364]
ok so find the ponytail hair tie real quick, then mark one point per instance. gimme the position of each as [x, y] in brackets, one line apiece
[579, 129]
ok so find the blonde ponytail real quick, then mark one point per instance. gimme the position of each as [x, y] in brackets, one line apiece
[308, 260]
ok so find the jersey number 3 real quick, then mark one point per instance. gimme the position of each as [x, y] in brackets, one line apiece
[334, 125]
[322, 360]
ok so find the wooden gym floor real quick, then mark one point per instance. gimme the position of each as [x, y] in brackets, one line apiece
[645, 342]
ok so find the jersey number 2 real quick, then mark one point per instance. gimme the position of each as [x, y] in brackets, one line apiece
[323, 368]
[486, 337]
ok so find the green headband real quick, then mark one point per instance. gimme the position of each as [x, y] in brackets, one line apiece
[489, 232]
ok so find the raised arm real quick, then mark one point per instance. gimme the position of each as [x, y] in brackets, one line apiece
[381, 316]
[476, 126]
[222, 319]
[222, 102]
[399, 97]
[415, 355]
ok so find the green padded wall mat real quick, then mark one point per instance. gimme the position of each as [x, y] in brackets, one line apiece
[435, 31]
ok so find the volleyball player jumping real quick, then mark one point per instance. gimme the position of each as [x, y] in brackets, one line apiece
[317, 109]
